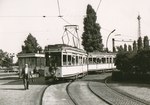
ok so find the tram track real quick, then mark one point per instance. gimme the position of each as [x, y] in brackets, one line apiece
[69, 94]
[80, 94]
[89, 91]
[126, 94]
[42, 94]
[98, 95]
[111, 96]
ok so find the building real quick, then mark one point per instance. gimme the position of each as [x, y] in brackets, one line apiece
[33, 60]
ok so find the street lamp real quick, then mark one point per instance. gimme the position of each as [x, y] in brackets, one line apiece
[108, 38]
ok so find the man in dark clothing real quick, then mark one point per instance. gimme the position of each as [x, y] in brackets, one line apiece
[25, 76]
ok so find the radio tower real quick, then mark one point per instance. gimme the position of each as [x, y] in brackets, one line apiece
[139, 26]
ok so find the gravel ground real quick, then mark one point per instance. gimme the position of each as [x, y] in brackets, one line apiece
[12, 92]
[141, 91]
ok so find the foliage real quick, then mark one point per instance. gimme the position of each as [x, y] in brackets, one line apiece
[31, 45]
[124, 61]
[134, 46]
[146, 43]
[140, 46]
[120, 49]
[142, 61]
[125, 48]
[5, 59]
[129, 48]
[133, 62]
[92, 39]
[134, 65]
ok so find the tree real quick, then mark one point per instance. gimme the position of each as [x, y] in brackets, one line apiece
[125, 47]
[92, 39]
[5, 59]
[124, 61]
[142, 61]
[134, 46]
[129, 48]
[140, 46]
[146, 43]
[120, 48]
[31, 45]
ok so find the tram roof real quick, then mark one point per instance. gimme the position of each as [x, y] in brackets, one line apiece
[101, 54]
[25, 55]
[62, 47]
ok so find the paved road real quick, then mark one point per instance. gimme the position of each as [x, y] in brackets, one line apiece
[82, 95]
[12, 92]
[56, 95]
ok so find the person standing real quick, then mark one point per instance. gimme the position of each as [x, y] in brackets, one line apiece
[25, 76]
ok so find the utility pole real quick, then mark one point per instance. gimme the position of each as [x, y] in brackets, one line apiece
[113, 45]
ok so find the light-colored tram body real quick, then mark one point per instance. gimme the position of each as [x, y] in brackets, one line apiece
[99, 61]
[33, 60]
[69, 61]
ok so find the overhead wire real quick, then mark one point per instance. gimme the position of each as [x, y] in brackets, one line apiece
[60, 16]
[98, 5]
[25, 16]
[65, 20]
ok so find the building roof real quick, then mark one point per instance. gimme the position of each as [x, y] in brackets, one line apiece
[24, 55]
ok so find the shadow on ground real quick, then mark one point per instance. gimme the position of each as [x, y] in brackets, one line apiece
[12, 89]
[18, 81]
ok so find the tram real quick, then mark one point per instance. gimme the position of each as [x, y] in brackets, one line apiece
[100, 61]
[63, 61]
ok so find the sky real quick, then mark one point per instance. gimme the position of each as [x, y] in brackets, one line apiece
[18, 18]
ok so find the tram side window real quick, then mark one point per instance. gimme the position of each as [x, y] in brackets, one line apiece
[69, 59]
[99, 60]
[73, 59]
[80, 60]
[103, 60]
[77, 60]
[90, 61]
[64, 59]
[110, 60]
[94, 60]
[84, 60]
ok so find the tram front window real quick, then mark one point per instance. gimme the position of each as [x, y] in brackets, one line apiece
[54, 58]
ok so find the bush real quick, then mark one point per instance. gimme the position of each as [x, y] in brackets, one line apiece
[133, 62]
[117, 76]
[124, 61]
[132, 77]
